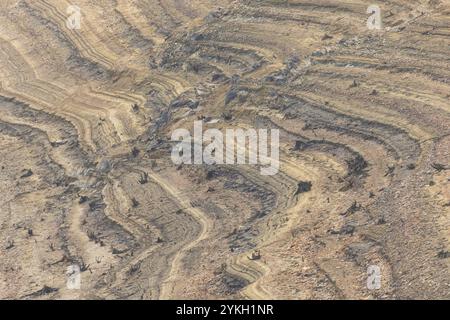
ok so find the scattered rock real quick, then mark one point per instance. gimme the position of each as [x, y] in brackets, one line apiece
[197, 37]
[218, 77]
[227, 116]
[356, 165]
[439, 167]
[27, 173]
[354, 84]
[255, 255]
[381, 221]
[352, 209]
[44, 291]
[347, 229]
[300, 145]
[10, 245]
[104, 166]
[443, 254]
[389, 170]
[135, 152]
[94, 205]
[134, 269]
[134, 202]
[230, 96]
[83, 199]
[189, 103]
[143, 179]
[303, 186]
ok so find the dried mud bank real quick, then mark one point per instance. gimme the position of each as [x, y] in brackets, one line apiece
[86, 176]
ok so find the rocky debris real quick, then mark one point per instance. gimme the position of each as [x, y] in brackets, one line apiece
[135, 152]
[218, 77]
[91, 235]
[26, 173]
[230, 96]
[356, 165]
[184, 103]
[303, 186]
[210, 174]
[281, 77]
[227, 116]
[134, 269]
[46, 290]
[354, 84]
[347, 229]
[94, 237]
[216, 14]
[104, 166]
[278, 79]
[197, 37]
[390, 170]
[439, 167]
[357, 251]
[381, 221]
[83, 266]
[255, 255]
[352, 209]
[134, 202]
[118, 251]
[410, 166]
[143, 179]
[235, 80]
[205, 119]
[9, 245]
[83, 199]
[300, 145]
[233, 284]
[55, 144]
[95, 205]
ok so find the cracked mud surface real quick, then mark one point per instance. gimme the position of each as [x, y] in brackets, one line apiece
[87, 179]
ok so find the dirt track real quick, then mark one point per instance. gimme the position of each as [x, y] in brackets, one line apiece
[86, 176]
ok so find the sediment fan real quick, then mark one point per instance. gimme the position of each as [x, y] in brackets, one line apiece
[93, 206]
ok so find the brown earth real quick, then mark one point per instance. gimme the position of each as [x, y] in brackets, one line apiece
[86, 176]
